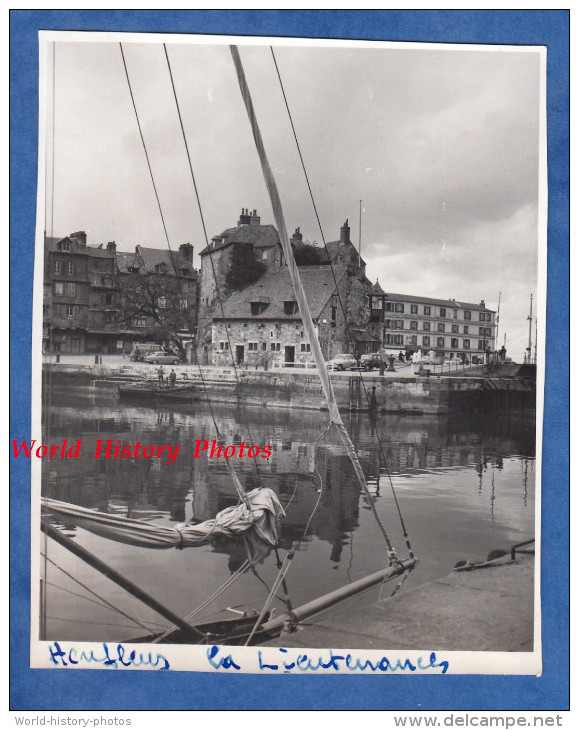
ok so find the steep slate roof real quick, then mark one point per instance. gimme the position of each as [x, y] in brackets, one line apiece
[146, 259]
[152, 257]
[450, 303]
[276, 287]
[260, 236]
[337, 247]
[126, 260]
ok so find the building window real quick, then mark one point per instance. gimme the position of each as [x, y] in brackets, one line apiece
[399, 308]
[414, 309]
[252, 346]
[64, 246]
[413, 340]
[290, 307]
[69, 268]
[388, 307]
[465, 330]
[413, 325]
[467, 315]
[139, 321]
[441, 326]
[426, 326]
[440, 341]
[481, 317]
[224, 345]
[162, 302]
[425, 341]
[69, 310]
[466, 344]
[275, 346]
[487, 332]
[455, 313]
[334, 314]
[305, 347]
[482, 345]
[454, 329]
[263, 346]
[183, 304]
[96, 264]
[58, 289]
[264, 255]
[454, 342]
[427, 311]
[394, 324]
[443, 311]
[108, 299]
[258, 307]
[57, 267]
[70, 289]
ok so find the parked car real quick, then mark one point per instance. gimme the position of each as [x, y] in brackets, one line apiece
[343, 361]
[141, 349]
[162, 357]
[372, 360]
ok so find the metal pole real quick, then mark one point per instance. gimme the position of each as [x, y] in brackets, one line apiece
[119, 579]
[530, 320]
[360, 237]
[323, 602]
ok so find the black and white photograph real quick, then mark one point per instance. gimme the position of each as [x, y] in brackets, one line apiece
[288, 355]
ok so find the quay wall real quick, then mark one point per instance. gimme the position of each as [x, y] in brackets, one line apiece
[293, 388]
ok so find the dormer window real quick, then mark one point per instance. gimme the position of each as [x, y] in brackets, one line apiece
[64, 246]
[258, 307]
[290, 307]
[161, 268]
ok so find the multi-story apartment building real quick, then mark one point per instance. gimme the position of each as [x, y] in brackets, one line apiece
[100, 300]
[409, 323]
[81, 301]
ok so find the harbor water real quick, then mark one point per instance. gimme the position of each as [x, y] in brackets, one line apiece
[464, 484]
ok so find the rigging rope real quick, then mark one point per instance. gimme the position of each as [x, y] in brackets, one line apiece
[239, 488]
[348, 333]
[93, 593]
[271, 186]
[201, 216]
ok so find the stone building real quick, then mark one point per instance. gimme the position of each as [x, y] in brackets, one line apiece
[406, 322]
[217, 259]
[261, 319]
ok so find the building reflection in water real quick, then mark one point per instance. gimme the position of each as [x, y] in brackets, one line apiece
[196, 489]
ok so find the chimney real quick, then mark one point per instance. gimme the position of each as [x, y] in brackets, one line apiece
[244, 218]
[297, 237]
[186, 250]
[345, 233]
[482, 303]
[254, 219]
[112, 247]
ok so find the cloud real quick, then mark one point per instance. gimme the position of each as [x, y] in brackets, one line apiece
[441, 145]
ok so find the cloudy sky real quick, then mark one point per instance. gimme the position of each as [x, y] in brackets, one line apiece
[441, 145]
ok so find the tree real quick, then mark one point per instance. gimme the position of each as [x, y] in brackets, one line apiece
[308, 254]
[244, 268]
[161, 304]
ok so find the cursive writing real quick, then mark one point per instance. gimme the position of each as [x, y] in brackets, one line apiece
[114, 657]
[285, 661]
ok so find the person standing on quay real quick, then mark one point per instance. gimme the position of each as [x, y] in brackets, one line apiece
[160, 373]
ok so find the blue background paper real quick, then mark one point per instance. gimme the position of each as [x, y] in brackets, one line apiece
[34, 689]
